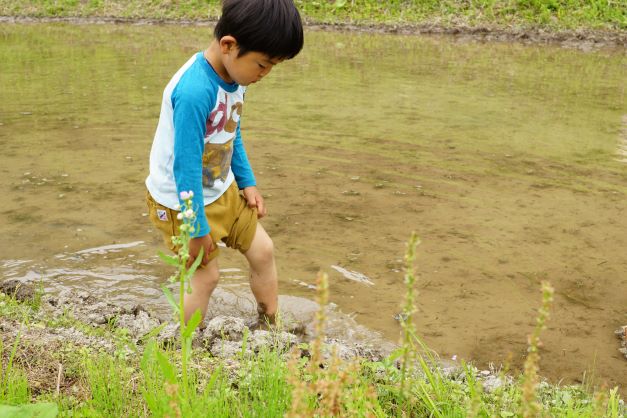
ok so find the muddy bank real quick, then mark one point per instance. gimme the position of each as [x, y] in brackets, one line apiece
[72, 317]
[583, 39]
[222, 333]
[72, 322]
[76, 322]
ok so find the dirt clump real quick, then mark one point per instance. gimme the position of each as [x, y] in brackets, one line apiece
[621, 333]
[17, 289]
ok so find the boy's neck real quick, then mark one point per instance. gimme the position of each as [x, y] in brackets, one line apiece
[213, 55]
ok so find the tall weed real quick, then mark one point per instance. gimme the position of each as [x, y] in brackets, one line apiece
[328, 387]
[530, 406]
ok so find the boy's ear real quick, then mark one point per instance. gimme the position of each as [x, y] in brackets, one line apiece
[227, 43]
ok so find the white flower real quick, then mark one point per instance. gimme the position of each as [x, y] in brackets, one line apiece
[189, 214]
[179, 216]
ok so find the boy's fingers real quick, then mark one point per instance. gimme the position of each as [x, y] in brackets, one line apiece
[206, 252]
[261, 208]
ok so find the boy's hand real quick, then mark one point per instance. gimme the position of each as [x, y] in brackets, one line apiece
[195, 244]
[255, 200]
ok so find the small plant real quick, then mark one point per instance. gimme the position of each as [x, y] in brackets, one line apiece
[178, 393]
[13, 384]
[15, 393]
[302, 405]
[409, 309]
[530, 405]
[110, 385]
[332, 387]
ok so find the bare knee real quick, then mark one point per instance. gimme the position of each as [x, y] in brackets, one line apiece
[206, 278]
[262, 251]
[266, 250]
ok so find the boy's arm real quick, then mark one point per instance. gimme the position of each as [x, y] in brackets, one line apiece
[244, 175]
[189, 131]
[242, 170]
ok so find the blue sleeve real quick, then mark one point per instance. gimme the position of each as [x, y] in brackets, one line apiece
[242, 170]
[190, 118]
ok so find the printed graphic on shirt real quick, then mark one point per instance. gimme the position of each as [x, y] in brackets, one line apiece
[216, 161]
[218, 120]
[220, 127]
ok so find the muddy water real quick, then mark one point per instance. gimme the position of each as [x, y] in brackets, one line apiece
[508, 161]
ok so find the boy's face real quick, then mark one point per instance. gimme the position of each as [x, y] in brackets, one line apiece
[248, 68]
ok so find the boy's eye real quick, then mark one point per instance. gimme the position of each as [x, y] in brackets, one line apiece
[261, 65]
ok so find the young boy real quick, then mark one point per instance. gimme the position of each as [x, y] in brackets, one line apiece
[198, 147]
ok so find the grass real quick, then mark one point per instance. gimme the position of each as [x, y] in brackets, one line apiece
[274, 383]
[551, 14]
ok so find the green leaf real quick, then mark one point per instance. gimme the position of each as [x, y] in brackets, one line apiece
[154, 332]
[170, 297]
[36, 410]
[166, 367]
[192, 323]
[396, 354]
[214, 377]
[194, 266]
[340, 3]
[244, 343]
[148, 361]
[169, 259]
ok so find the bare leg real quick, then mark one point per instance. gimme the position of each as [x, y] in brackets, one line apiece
[263, 275]
[204, 282]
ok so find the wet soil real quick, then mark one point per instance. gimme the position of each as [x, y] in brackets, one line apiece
[478, 259]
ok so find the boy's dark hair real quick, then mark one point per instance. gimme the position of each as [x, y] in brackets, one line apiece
[272, 27]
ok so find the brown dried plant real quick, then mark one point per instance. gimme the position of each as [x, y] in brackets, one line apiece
[530, 405]
[325, 389]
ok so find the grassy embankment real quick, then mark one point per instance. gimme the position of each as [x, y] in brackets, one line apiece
[548, 14]
[151, 379]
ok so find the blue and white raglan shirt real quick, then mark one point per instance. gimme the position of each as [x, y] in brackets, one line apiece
[198, 145]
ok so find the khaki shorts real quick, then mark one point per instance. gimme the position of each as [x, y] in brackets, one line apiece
[230, 219]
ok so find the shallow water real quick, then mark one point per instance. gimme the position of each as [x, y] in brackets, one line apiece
[507, 159]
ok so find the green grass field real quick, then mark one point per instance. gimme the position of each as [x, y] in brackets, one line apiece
[549, 14]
